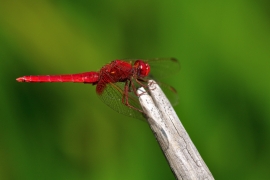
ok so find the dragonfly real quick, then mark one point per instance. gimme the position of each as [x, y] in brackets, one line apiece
[117, 82]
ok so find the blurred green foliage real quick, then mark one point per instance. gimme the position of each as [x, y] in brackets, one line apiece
[63, 131]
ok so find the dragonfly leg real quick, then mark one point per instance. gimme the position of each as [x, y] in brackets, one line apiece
[141, 82]
[152, 82]
[127, 89]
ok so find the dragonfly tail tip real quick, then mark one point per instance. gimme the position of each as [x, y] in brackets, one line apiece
[20, 79]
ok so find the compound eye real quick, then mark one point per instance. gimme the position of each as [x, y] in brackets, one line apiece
[143, 68]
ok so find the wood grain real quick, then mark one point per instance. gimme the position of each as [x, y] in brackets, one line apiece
[180, 152]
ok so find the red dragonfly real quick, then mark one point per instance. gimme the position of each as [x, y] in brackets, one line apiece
[117, 82]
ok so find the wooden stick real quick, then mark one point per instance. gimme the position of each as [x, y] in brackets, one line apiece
[181, 154]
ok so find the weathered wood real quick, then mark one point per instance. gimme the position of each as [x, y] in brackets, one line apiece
[183, 157]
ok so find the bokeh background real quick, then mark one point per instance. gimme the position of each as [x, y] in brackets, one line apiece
[63, 131]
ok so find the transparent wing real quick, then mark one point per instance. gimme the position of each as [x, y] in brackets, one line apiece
[112, 93]
[160, 68]
[112, 96]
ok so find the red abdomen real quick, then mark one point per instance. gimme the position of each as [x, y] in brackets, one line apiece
[87, 77]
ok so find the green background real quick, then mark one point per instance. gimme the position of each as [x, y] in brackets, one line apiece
[63, 131]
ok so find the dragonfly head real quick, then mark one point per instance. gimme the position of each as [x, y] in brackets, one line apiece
[142, 68]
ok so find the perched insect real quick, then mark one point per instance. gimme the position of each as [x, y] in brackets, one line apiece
[117, 82]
